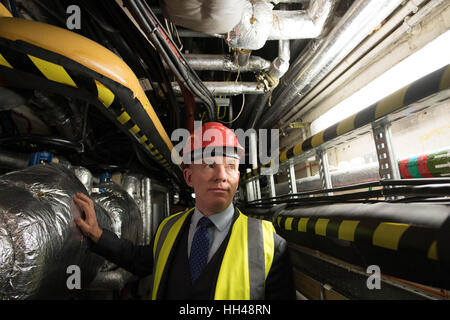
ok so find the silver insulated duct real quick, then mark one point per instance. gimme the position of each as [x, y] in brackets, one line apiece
[39, 241]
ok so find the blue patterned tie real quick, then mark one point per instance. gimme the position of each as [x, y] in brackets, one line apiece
[199, 249]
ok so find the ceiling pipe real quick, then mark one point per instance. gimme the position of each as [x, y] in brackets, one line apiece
[207, 16]
[226, 88]
[260, 23]
[185, 33]
[280, 64]
[366, 53]
[278, 68]
[301, 24]
[224, 62]
[361, 19]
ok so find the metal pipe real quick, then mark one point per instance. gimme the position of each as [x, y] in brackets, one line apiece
[280, 64]
[226, 88]
[184, 33]
[148, 223]
[307, 53]
[303, 24]
[225, 63]
[242, 57]
[357, 23]
[260, 23]
[365, 54]
[289, 1]
[278, 68]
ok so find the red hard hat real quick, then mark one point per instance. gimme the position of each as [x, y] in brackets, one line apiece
[220, 140]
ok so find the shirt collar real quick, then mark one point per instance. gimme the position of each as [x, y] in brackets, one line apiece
[220, 220]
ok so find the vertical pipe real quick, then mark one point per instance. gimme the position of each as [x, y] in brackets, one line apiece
[168, 207]
[148, 214]
[253, 152]
[242, 57]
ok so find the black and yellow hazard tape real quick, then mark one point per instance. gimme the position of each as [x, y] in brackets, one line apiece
[434, 82]
[416, 251]
[24, 65]
[387, 235]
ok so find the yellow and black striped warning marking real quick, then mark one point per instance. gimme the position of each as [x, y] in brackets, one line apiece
[108, 99]
[48, 70]
[388, 235]
[422, 88]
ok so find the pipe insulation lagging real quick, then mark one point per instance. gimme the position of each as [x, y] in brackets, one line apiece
[306, 24]
[225, 63]
[39, 240]
[260, 23]
[252, 31]
[405, 240]
[207, 16]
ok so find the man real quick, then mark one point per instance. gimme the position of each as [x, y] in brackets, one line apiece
[211, 251]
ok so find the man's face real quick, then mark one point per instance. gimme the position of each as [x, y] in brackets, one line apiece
[215, 182]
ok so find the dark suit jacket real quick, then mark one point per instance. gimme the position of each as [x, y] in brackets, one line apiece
[175, 284]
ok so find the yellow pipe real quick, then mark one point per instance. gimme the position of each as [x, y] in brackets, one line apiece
[4, 12]
[84, 51]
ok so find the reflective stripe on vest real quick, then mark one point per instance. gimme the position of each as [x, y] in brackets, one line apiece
[164, 239]
[241, 276]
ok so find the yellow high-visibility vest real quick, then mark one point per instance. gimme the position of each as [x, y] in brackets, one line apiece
[246, 262]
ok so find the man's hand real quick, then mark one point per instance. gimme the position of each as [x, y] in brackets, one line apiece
[89, 226]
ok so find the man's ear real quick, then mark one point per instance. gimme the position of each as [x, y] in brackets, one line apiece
[187, 173]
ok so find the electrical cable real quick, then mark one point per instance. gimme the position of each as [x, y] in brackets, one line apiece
[434, 187]
[239, 114]
[172, 55]
[137, 45]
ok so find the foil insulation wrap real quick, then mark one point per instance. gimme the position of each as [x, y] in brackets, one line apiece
[39, 241]
[85, 176]
[252, 31]
[122, 210]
